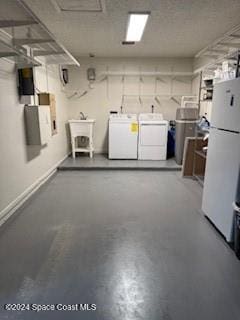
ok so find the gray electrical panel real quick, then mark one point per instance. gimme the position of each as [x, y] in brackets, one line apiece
[37, 124]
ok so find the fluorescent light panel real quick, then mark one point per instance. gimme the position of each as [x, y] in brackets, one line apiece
[136, 26]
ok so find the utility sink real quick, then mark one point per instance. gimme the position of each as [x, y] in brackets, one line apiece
[82, 121]
[81, 128]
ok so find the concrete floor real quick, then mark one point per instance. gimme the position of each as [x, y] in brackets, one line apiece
[101, 161]
[132, 242]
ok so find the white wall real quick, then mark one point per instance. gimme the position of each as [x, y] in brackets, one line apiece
[106, 94]
[22, 165]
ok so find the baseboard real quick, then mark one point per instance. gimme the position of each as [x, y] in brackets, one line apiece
[8, 211]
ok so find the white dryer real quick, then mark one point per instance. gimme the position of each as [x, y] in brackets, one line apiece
[123, 136]
[153, 132]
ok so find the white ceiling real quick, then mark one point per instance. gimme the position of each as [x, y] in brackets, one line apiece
[176, 28]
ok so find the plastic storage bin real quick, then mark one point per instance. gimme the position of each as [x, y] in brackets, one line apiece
[186, 121]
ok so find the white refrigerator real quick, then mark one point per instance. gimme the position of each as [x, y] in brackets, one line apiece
[223, 158]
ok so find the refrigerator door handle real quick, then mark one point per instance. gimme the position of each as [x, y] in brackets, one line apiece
[236, 207]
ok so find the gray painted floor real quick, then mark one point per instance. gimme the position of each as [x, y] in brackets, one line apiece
[101, 161]
[133, 242]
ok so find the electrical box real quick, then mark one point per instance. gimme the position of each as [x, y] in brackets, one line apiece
[26, 82]
[91, 74]
[38, 126]
[48, 99]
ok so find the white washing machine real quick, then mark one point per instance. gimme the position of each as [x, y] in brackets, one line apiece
[153, 132]
[123, 136]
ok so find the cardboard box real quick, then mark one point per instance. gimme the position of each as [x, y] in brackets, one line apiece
[48, 99]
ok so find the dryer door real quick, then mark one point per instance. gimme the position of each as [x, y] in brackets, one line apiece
[153, 134]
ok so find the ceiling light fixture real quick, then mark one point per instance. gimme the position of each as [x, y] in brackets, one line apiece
[136, 25]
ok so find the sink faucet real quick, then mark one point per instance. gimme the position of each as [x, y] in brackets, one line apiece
[82, 116]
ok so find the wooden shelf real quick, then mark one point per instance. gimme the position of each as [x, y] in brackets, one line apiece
[201, 133]
[207, 88]
[194, 156]
[201, 153]
[200, 179]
